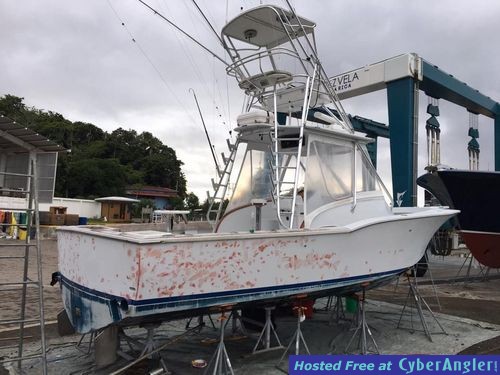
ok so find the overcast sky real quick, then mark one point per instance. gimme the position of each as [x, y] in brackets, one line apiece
[76, 58]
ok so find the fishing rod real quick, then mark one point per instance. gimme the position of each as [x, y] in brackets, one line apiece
[206, 133]
[183, 32]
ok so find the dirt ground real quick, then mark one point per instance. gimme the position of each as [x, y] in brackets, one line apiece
[12, 271]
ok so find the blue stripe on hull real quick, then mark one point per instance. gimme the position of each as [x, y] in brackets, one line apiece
[84, 302]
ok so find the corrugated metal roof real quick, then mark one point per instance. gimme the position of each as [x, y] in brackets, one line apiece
[15, 137]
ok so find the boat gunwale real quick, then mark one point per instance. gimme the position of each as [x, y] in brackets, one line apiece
[211, 237]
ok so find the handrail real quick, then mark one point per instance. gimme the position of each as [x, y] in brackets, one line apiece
[234, 71]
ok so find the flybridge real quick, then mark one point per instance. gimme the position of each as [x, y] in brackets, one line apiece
[376, 76]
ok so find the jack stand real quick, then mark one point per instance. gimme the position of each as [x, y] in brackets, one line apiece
[329, 303]
[337, 313]
[220, 360]
[363, 329]
[469, 259]
[297, 336]
[201, 322]
[482, 275]
[237, 324]
[486, 274]
[414, 297]
[90, 343]
[265, 335]
[150, 345]
[429, 269]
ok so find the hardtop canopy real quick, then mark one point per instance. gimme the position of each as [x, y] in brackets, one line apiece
[266, 26]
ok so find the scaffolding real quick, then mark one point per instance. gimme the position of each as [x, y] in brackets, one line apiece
[22, 240]
[27, 176]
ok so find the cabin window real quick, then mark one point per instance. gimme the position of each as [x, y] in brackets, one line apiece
[329, 172]
[366, 180]
[254, 180]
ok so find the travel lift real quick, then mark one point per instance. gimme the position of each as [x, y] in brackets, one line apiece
[403, 76]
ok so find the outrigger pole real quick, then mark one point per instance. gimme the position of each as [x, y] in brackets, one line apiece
[183, 32]
[209, 24]
[206, 133]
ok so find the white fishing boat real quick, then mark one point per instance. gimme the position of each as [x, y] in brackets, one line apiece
[308, 214]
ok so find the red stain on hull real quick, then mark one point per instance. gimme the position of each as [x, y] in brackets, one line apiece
[485, 247]
[138, 272]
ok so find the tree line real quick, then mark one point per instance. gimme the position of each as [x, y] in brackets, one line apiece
[101, 163]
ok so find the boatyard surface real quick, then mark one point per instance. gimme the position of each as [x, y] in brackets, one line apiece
[466, 309]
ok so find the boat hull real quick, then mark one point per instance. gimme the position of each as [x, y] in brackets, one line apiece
[107, 278]
[97, 310]
[475, 194]
[484, 246]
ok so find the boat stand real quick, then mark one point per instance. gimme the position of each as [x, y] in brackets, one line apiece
[297, 338]
[201, 322]
[148, 347]
[329, 303]
[237, 324]
[219, 363]
[265, 335]
[415, 299]
[481, 276]
[337, 312]
[89, 344]
[469, 259]
[363, 330]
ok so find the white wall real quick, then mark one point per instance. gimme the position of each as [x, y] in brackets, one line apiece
[12, 203]
[82, 207]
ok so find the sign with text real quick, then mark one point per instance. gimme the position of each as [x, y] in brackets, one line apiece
[393, 364]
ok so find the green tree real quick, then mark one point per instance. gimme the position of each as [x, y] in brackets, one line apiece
[192, 202]
[13, 107]
[90, 178]
[163, 170]
[101, 163]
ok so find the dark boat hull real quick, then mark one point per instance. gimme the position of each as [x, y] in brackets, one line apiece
[475, 194]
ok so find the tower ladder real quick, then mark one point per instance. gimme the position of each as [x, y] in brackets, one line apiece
[283, 160]
[216, 201]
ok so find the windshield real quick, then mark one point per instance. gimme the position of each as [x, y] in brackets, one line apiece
[330, 171]
[254, 180]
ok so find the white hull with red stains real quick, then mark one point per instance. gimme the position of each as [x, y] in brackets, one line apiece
[112, 277]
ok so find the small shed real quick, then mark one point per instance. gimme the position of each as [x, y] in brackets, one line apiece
[116, 209]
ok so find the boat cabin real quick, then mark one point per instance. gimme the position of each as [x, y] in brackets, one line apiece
[336, 181]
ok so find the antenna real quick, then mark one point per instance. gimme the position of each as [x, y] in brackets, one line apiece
[206, 133]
